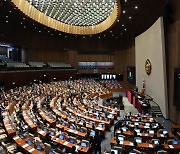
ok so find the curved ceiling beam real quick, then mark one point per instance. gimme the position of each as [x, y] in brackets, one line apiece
[40, 17]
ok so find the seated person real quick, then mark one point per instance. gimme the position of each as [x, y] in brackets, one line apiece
[159, 147]
[47, 138]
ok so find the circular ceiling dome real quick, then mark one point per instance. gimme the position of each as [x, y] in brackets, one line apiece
[76, 12]
[72, 16]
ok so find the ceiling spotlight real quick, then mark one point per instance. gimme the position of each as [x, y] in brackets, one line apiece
[122, 25]
[125, 0]
[124, 11]
[130, 17]
[117, 20]
[125, 29]
[136, 7]
[111, 31]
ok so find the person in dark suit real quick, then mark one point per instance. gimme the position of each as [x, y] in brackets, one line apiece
[117, 125]
[97, 143]
[159, 147]
[47, 138]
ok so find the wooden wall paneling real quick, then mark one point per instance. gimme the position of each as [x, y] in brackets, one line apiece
[173, 56]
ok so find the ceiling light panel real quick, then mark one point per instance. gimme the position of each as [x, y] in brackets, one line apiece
[76, 12]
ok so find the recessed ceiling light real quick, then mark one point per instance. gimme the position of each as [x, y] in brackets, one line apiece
[130, 17]
[59, 33]
[39, 31]
[125, 29]
[99, 37]
[124, 11]
[136, 7]
[117, 20]
[111, 31]
[122, 25]
[7, 21]
[125, 0]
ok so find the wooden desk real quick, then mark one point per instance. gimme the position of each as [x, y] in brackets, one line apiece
[73, 132]
[175, 128]
[70, 145]
[28, 148]
[8, 124]
[51, 121]
[172, 148]
[30, 123]
[146, 135]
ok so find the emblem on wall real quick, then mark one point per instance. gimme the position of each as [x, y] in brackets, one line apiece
[148, 66]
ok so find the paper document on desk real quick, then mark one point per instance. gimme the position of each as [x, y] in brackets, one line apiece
[171, 146]
[25, 145]
[150, 145]
[65, 143]
[31, 150]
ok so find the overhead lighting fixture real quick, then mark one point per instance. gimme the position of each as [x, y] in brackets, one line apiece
[72, 16]
[136, 7]
[130, 17]
[124, 11]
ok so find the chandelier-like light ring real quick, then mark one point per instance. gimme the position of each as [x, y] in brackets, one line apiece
[82, 17]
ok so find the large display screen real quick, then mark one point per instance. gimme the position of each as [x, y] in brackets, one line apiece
[131, 74]
[95, 65]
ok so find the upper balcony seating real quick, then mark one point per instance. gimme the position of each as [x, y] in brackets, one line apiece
[36, 64]
[59, 65]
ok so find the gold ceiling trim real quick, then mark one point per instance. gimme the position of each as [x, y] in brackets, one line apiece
[40, 17]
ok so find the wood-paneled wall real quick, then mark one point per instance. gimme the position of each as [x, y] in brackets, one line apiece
[173, 55]
[121, 59]
[45, 55]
